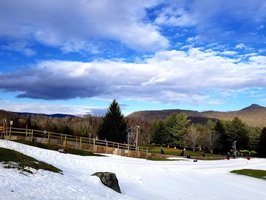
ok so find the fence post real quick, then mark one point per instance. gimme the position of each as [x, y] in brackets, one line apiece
[10, 129]
[80, 143]
[48, 141]
[31, 137]
[118, 145]
[94, 141]
[65, 142]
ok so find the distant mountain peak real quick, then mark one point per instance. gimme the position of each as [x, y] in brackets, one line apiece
[253, 106]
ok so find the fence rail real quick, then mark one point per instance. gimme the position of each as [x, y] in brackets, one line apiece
[32, 134]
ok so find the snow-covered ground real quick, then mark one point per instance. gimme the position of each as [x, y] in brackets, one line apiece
[138, 178]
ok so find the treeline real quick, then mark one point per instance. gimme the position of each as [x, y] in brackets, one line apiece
[86, 125]
[214, 137]
[80, 126]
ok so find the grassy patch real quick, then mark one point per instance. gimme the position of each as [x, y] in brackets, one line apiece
[177, 152]
[14, 159]
[158, 159]
[82, 153]
[55, 148]
[251, 172]
[39, 145]
[162, 159]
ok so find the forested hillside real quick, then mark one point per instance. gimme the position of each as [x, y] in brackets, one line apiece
[254, 115]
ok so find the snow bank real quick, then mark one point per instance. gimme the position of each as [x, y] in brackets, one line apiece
[138, 178]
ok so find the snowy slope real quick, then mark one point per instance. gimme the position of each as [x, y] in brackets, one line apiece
[138, 178]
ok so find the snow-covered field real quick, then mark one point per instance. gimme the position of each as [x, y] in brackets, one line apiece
[138, 178]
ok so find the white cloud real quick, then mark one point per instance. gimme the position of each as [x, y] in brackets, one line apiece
[215, 20]
[229, 53]
[174, 16]
[261, 27]
[19, 47]
[168, 76]
[75, 25]
[240, 46]
[50, 108]
[215, 102]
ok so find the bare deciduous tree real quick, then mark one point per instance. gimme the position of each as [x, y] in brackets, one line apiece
[192, 137]
[209, 139]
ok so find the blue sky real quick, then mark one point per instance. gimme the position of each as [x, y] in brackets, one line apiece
[77, 56]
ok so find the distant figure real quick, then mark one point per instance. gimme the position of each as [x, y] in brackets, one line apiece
[182, 153]
[203, 154]
[161, 151]
[44, 133]
[188, 156]
[228, 156]
[234, 155]
[248, 157]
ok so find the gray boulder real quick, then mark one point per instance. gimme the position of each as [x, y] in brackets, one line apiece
[108, 179]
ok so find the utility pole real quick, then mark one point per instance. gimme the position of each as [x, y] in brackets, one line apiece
[137, 137]
[10, 130]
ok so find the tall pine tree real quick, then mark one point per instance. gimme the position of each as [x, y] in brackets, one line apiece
[158, 133]
[261, 149]
[114, 126]
[236, 130]
[224, 145]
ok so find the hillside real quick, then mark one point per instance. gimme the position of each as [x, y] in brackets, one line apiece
[253, 115]
[27, 114]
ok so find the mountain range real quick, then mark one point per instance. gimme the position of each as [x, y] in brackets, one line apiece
[253, 115]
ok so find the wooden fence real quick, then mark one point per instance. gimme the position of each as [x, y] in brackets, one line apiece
[75, 142]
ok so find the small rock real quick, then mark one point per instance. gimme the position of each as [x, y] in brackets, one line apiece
[108, 179]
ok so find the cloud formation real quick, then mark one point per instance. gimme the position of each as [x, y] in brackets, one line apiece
[78, 25]
[154, 52]
[48, 108]
[90, 25]
[237, 20]
[168, 77]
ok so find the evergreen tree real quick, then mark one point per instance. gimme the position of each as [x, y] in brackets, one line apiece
[224, 144]
[159, 133]
[177, 126]
[113, 126]
[236, 130]
[261, 148]
[254, 137]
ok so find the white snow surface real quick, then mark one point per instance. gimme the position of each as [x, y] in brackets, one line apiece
[138, 178]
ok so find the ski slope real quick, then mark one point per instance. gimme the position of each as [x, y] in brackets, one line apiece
[138, 178]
